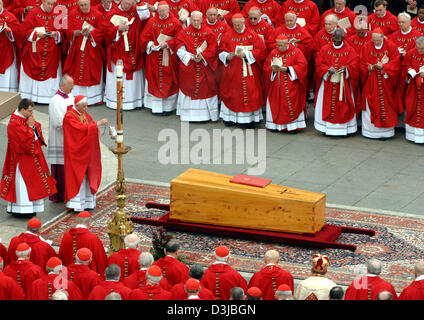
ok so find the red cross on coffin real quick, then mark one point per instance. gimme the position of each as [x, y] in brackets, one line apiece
[251, 181]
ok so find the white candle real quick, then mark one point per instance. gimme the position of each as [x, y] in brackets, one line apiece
[119, 69]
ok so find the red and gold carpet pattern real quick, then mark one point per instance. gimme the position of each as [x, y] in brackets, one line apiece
[398, 243]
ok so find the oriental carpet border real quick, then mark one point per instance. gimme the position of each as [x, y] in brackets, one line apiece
[398, 243]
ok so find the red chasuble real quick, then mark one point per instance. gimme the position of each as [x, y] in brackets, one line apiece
[287, 98]
[162, 79]
[307, 10]
[77, 238]
[102, 10]
[45, 287]
[41, 251]
[150, 292]
[218, 29]
[368, 288]
[8, 48]
[44, 62]
[10, 289]
[242, 92]
[127, 260]
[178, 293]
[414, 96]
[197, 81]
[81, 151]
[415, 291]
[389, 23]
[406, 41]
[269, 7]
[346, 13]
[220, 279]
[269, 279]
[138, 279]
[22, 148]
[228, 5]
[84, 66]
[133, 58]
[379, 85]
[321, 39]
[101, 291]
[18, 6]
[417, 25]
[357, 42]
[301, 39]
[69, 4]
[24, 272]
[176, 6]
[173, 270]
[3, 254]
[263, 29]
[335, 110]
[84, 278]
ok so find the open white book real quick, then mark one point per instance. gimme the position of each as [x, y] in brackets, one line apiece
[89, 27]
[277, 62]
[344, 23]
[202, 48]
[162, 38]
[118, 20]
[301, 21]
[34, 43]
[222, 12]
[183, 14]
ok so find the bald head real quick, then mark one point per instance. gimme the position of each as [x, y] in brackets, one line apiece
[272, 256]
[196, 19]
[419, 268]
[374, 267]
[330, 22]
[131, 241]
[385, 295]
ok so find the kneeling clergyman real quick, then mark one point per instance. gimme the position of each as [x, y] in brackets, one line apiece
[83, 167]
[26, 179]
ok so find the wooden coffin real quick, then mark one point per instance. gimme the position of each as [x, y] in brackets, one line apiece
[9, 101]
[210, 198]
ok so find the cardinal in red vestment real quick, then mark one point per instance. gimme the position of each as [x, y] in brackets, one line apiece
[217, 26]
[286, 79]
[21, 8]
[337, 73]
[382, 18]
[41, 249]
[105, 6]
[345, 16]
[405, 37]
[241, 88]
[231, 6]
[220, 277]
[307, 14]
[80, 237]
[325, 35]
[271, 276]
[151, 290]
[269, 10]
[418, 22]
[26, 179]
[180, 9]
[379, 66]
[111, 284]
[83, 61]
[9, 288]
[3, 253]
[196, 272]
[256, 23]
[415, 291]
[127, 258]
[196, 48]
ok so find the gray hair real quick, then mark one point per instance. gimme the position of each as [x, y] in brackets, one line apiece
[272, 255]
[60, 295]
[131, 241]
[64, 80]
[113, 296]
[385, 295]
[145, 259]
[196, 13]
[237, 293]
[113, 272]
[420, 40]
[419, 266]
[404, 14]
[374, 266]
[196, 271]
[290, 13]
[333, 18]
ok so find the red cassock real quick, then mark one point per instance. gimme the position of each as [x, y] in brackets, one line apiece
[150, 292]
[3, 254]
[22, 148]
[24, 272]
[138, 279]
[228, 5]
[77, 238]
[415, 291]
[18, 6]
[378, 89]
[268, 7]
[226, 278]
[84, 66]
[218, 29]
[368, 288]
[307, 10]
[102, 10]
[45, 287]
[41, 251]
[127, 260]
[100, 291]
[162, 79]
[44, 62]
[10, 289]
[69, 4]
[287, 99]
[417, 25]
[389, 23]
[269, 278]
[406, 41]
[321, 39]
[242, 93]
[178, 293]
[357, 42]
[176, 6]
[263, 29]
[414, 95]
[301, 39]
[84, 278]
[336, 110]
[198, 81]
[346, 13]
[7, 47]
[173, 270]
[81, 150]
[133, 58]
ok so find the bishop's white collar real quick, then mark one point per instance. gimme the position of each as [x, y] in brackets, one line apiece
[164, 18]
[379, 47]
[81, 225]
[340, 10]
[338, 47]
[419, 278]
[19, 114]
[210, 23]
[409, 30]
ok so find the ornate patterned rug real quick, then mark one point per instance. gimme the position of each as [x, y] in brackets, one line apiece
[398, 243]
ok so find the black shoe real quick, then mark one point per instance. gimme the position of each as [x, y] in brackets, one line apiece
[166, 113]
[229, 123]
